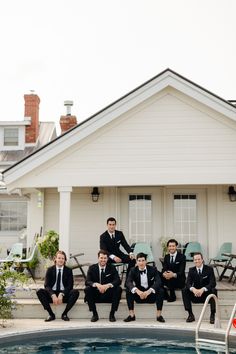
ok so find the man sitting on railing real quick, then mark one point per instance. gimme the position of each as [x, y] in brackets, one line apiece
[200, 283]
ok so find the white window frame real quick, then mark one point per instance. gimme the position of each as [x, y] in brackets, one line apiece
[21, 138]
[14, 231]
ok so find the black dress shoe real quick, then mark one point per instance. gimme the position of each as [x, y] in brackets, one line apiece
[212, 318]
[50, 318]
[171, 299]
[160, 319]
[65, 318]
[190, 318]
[94, 318]
[130, 318]
[112, 318]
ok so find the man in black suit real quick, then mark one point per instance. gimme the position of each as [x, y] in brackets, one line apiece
[200, 283]
[173, 271]
[111, 240]
[58, 288]
[102, 285]
[144, 286]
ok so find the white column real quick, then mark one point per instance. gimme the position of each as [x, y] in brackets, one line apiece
[64, 219]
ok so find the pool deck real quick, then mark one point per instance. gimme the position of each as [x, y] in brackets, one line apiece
[24, 326]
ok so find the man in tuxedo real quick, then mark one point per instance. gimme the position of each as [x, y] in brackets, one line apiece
[173, 271]
[111, 240]
[144, 286]
[102, 285]
[58, 288]
[200, 283]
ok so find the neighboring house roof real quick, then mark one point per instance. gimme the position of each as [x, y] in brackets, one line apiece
[167, 78]
[47, 132]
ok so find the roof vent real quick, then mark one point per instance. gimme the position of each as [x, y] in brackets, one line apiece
[68, 104]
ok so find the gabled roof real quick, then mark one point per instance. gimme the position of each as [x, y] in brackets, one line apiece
[47, 132]
[141, 93]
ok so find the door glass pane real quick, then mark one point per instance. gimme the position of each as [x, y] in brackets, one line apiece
[140, 218]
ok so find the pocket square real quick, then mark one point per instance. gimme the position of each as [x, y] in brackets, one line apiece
[152, 278]
[204, 277]
[176, 262]
[118, 241]
[107, 275]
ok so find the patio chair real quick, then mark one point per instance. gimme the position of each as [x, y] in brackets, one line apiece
[15, 252]
[77, 264]
[192, 247]
[219, 260]
[24, 263]
[145, 248]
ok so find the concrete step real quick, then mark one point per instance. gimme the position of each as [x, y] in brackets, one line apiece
[31, 308]
[30, 293]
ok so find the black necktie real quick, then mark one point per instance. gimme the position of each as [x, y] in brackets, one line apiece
[102, 276]
[172, 259]
[142, 271]
[199, 272]
[113, 237]
[58, 285]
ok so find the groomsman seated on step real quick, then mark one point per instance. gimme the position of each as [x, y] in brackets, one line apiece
[111, 240]
[58, 288]
[102, 285]
[144, 286]
[173, 271]
[200, 283]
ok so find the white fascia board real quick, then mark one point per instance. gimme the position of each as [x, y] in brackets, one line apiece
[202, 96]
[16, 123]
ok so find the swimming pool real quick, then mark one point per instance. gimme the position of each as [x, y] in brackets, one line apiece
[104, 340]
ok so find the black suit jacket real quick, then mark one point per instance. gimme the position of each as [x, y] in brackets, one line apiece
[111, 275]
[206, 279]
[177, 267]
[113, 247]
[67, 279]
[134, 279]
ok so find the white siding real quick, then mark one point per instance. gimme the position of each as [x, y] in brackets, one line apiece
[170, 139]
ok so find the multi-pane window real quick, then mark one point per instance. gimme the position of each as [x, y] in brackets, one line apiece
[11, 136]
[13, 215]
[140, 218]
[185, 217]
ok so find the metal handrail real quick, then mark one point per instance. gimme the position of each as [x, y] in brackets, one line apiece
[230, 325]
[217, 319]
[217, 324]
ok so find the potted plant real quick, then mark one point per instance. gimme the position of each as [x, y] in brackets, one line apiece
[49, 244]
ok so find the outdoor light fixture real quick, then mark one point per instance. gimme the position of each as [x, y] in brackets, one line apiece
[232, 194]
[95, 194]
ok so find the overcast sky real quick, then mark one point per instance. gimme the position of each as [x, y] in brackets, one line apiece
[95, 51]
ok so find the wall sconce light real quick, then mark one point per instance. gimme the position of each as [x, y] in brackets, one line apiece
[39, 200]
[95, 194]
[232, 194]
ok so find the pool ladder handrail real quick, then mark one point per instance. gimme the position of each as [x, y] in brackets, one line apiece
[217, 324]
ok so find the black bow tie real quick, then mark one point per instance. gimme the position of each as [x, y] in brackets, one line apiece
[142, 271]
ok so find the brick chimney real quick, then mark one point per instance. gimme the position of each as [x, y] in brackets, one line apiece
[67, 122]
[32, 110]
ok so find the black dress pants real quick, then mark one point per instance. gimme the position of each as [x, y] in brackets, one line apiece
[93, 296]
[46, 299]
[157, 298]
[188, 298]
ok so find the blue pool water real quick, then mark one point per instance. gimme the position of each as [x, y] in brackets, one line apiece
[106, 340]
